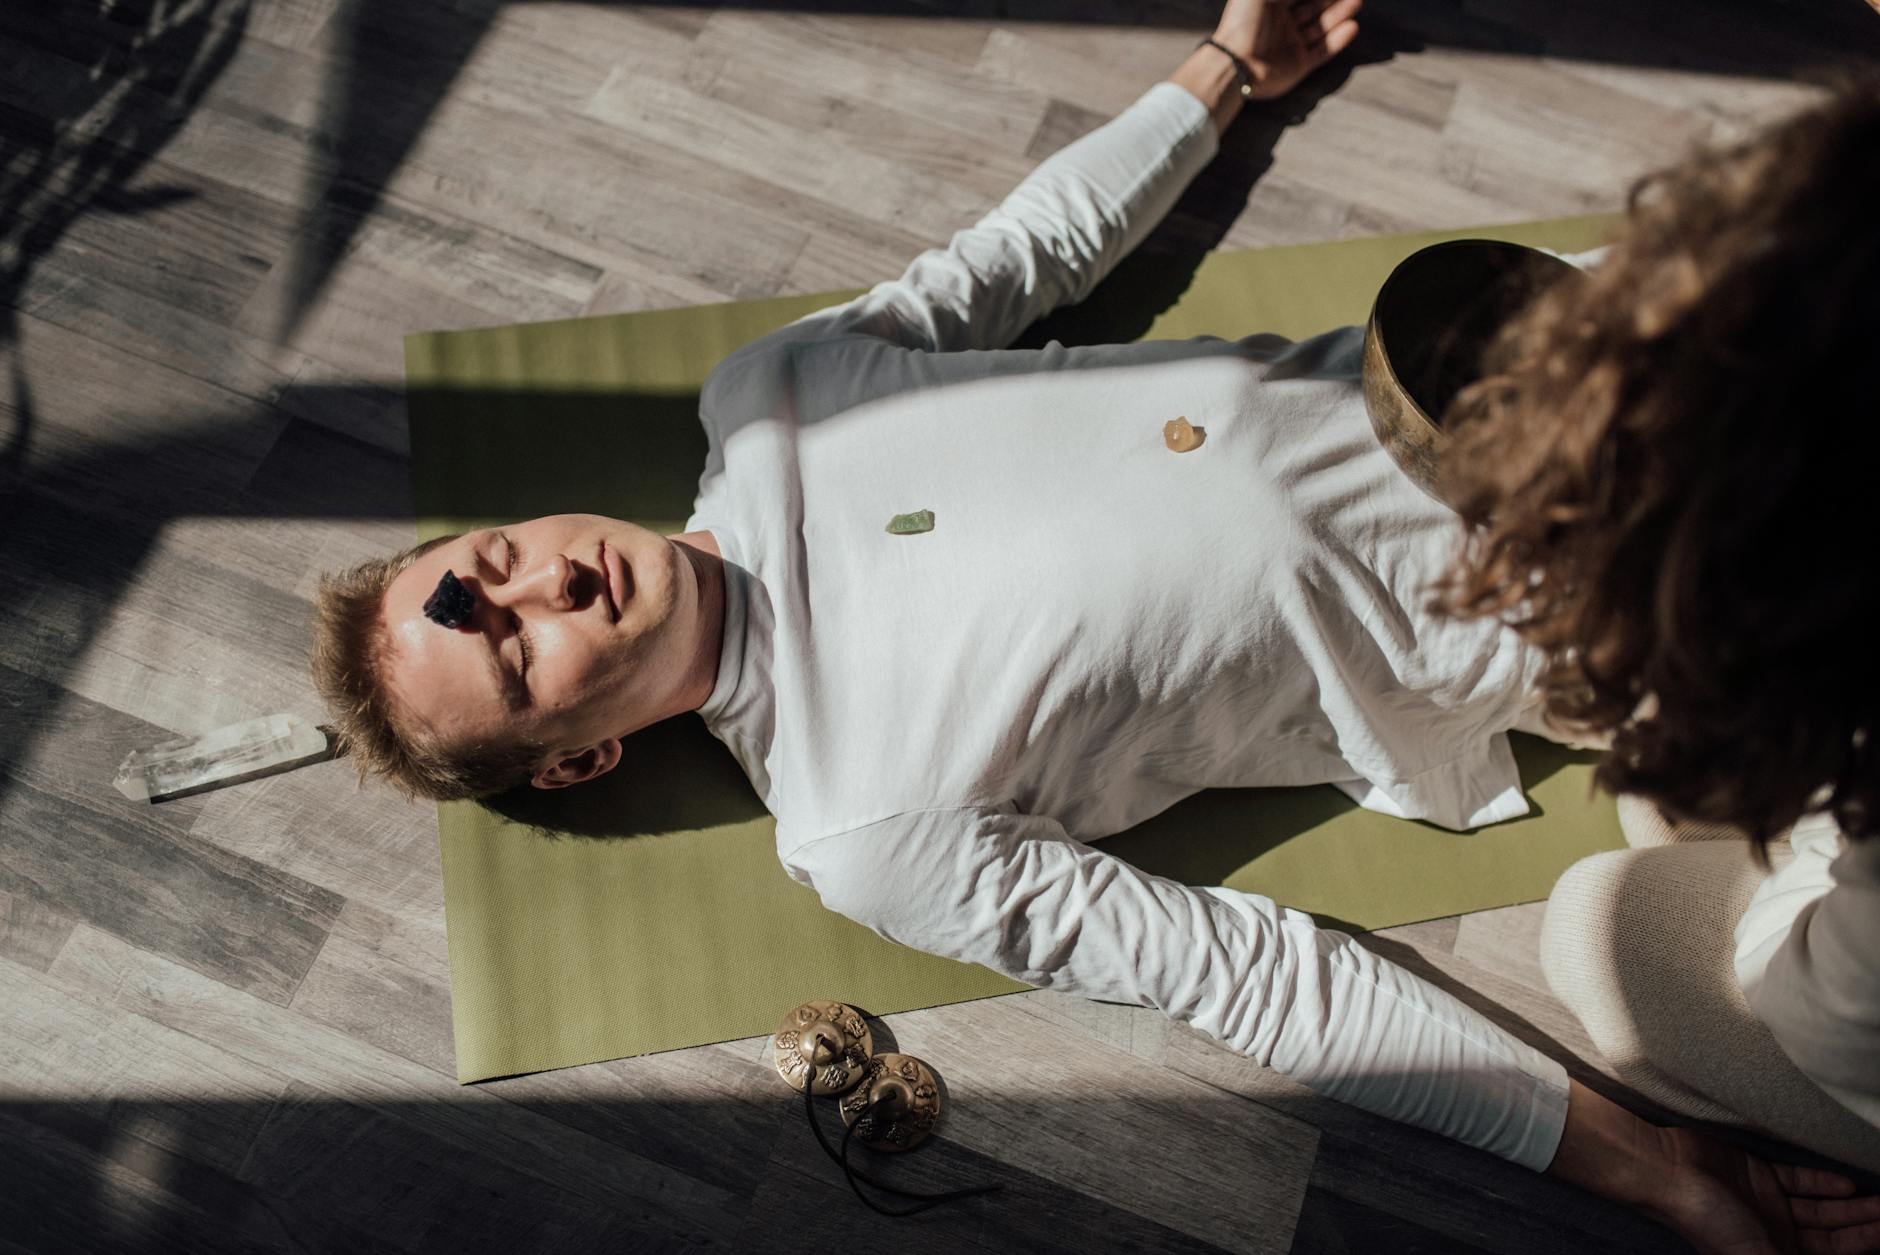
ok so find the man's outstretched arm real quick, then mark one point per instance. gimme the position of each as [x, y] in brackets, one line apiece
[1016, 894]
[1066, 226]
[1048, 243]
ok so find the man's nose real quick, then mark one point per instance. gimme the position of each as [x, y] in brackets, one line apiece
[549, 583]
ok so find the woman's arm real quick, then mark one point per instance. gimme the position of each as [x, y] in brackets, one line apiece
[1805, 959]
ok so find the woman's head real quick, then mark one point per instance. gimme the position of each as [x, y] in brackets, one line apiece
[1671, 474]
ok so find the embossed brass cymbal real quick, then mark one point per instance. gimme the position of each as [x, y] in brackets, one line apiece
[1429, 327]
[830, 1039]
[896, 1105]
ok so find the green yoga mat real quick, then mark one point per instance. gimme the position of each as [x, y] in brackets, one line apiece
[647, 911]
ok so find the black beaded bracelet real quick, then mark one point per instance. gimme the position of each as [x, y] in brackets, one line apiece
[1242, 71]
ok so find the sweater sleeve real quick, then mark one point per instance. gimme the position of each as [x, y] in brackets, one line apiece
[1016, 894]
[1805, 960]
[1047, 244]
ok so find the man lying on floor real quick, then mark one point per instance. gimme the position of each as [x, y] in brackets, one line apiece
[958, 611]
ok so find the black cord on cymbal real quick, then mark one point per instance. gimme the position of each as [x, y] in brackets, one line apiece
[809, 1113]
[855, 1176]
[926, 1200]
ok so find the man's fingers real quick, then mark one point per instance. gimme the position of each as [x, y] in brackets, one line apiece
[1339, 38]
[1318, 21]
[1834, 1213]
[1859, 1240]
[1814, 1182]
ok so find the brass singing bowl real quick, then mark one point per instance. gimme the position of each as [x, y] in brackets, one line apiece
[1429, 327]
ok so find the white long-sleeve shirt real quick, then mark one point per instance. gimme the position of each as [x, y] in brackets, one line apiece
[1096, 627]
[1808, 960]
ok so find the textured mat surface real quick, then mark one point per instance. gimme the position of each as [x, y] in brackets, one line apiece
[647, 911]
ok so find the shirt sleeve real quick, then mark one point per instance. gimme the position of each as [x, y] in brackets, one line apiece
[1047, 244]
[1804, 957]
[1016, 894]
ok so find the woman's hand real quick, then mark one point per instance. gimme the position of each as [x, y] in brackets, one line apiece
[1284, 42]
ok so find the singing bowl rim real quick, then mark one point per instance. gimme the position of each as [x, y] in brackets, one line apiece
[1414, 440]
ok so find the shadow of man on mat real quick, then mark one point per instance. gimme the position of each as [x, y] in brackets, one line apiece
[644, 796]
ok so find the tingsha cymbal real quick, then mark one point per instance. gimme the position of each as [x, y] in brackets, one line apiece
[830, 1039]
[896, 1105]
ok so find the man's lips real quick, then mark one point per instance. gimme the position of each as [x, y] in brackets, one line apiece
[615, 572]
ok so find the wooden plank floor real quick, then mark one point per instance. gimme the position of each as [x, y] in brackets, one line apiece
[226, 1020]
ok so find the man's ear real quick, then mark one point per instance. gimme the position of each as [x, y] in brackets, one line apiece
[595, 760]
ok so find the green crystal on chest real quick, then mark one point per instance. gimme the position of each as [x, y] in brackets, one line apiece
[911, 524]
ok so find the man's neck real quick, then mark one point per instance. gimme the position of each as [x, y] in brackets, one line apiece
[708, 572]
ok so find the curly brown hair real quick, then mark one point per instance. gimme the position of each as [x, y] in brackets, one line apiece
[350, 645]
[1666, 469]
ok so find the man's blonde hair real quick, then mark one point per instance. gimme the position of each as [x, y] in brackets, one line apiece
[351, 644]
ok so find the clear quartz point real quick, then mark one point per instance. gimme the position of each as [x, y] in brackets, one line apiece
[225, 756]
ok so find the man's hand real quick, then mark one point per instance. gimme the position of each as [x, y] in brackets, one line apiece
[1720, 1199]
[1284, 42]
[1725, 1201]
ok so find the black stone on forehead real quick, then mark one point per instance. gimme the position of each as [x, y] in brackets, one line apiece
[452, 604]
